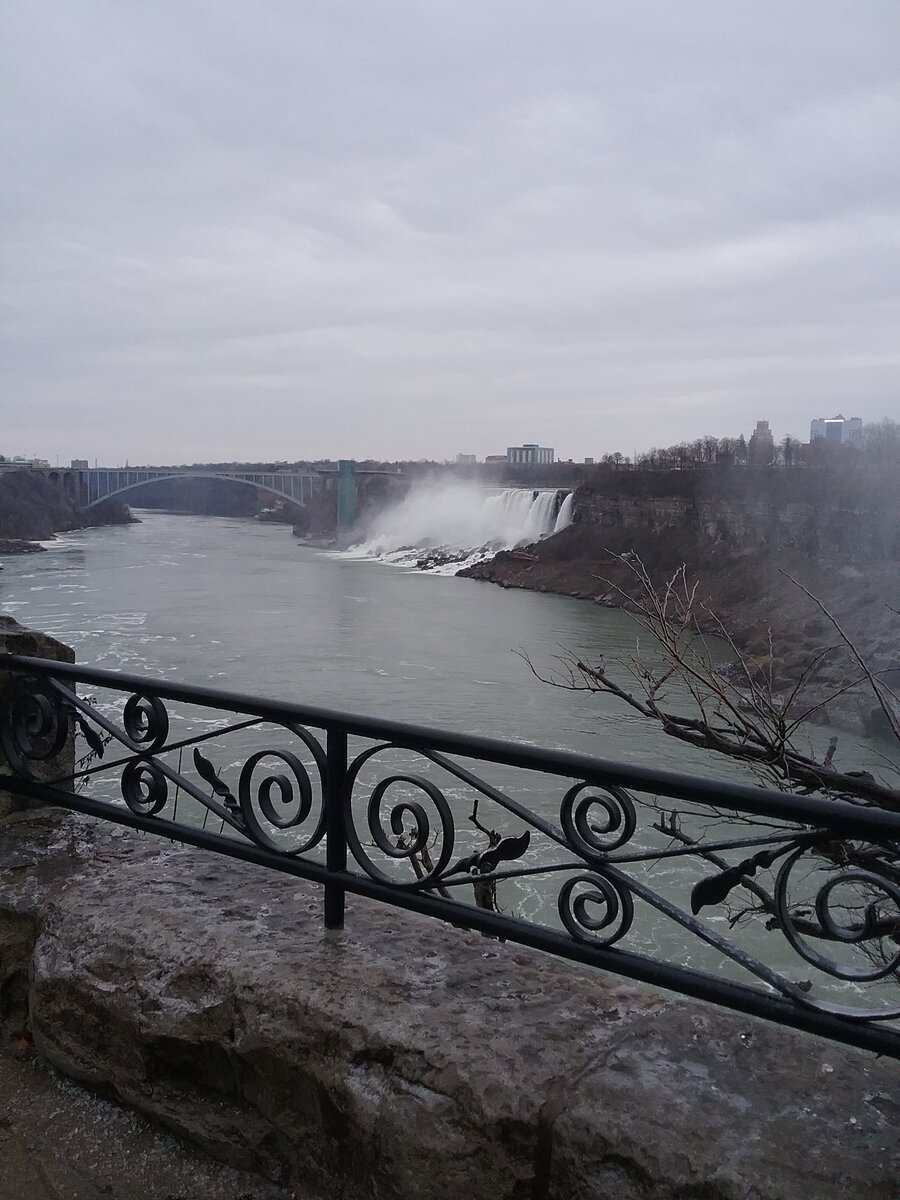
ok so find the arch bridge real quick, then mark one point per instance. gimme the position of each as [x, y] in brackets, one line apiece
[96, 484]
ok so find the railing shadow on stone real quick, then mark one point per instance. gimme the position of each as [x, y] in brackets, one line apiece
[631, 870]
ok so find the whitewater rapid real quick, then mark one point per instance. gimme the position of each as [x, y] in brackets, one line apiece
[444, 527]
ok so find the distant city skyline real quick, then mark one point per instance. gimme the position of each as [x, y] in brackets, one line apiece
[853, 425]
[407, 231]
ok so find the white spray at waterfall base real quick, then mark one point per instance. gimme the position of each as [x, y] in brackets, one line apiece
[446, 526]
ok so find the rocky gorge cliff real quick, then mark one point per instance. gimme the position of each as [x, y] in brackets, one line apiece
[740, 534]
[32, 510]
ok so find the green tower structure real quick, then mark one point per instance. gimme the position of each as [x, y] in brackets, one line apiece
[346, 493]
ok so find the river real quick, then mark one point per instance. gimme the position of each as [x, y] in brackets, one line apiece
[239, 604]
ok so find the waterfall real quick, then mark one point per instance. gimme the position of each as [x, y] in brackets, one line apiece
[564, 516]
[444, 526]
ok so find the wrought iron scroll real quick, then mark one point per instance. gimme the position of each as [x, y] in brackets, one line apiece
[589, 846]
[596, 903]
[38, 715]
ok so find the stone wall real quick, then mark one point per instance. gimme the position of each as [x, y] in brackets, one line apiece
[403, 1059]
[15, 639]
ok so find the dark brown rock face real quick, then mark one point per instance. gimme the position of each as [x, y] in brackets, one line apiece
[404, 1059]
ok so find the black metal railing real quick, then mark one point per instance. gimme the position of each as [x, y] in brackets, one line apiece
[782, 906]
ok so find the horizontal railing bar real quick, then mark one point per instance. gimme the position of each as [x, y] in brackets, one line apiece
[850, 819]
[688, 982]
[197, 740]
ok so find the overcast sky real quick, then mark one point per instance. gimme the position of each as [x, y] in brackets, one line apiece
[355, 228]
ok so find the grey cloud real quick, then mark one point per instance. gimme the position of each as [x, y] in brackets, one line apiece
[398, 229]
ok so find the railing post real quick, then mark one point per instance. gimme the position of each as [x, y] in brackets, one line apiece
[15, 639]
[335, 838]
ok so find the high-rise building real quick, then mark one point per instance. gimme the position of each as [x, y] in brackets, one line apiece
[839, 431]
[466, 460]
[762, 445]
[530, 455]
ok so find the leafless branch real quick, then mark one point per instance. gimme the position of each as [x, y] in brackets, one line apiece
[893, 717]
[746, 721]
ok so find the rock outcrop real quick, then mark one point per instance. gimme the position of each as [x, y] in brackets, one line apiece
[405, 1059]
[32, 509]
[59, 1141]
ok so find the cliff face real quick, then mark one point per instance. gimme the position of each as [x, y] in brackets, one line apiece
[32, 509]
[742, 526]
[740, 535]
[851, 516]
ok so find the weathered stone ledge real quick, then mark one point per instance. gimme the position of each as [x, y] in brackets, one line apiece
[404, 1059]
[60, 1141]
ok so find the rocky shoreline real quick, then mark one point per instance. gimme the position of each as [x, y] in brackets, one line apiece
[20, 546]
[9, 547]
[33, 510]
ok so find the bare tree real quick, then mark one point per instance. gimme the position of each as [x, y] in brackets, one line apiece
[743, 715]
[739, 713]
[789, 450]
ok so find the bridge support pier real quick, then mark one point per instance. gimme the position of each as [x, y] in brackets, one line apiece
[346, 493]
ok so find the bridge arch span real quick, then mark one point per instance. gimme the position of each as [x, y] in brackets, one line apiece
[162, 478]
